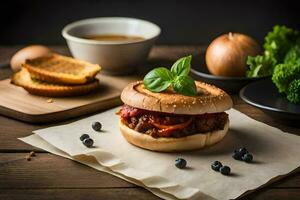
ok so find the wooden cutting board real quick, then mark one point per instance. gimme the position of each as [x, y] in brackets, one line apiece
[15, 102]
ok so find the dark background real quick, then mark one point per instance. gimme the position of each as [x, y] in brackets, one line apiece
[182, 22]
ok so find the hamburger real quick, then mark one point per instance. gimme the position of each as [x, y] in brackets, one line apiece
[168, 121]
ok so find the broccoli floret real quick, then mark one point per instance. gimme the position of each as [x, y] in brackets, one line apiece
[260, 66]
[284, 74]
[293, 94]
[293, 55]
[277, 44]
[279, 41]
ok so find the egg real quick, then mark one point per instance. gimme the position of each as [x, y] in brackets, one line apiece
[30, 52]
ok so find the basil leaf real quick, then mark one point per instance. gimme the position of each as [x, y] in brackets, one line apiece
[158, 79]
[185, 85]
[182, 66]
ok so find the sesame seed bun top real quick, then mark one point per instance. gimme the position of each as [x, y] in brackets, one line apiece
[209, 99]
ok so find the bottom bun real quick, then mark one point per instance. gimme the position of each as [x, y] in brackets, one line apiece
[192, 142]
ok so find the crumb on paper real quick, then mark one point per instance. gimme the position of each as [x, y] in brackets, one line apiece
[49, 100]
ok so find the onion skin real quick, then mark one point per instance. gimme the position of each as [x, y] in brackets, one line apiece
[227, 54]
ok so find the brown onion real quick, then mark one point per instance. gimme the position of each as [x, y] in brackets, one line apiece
[29, 52]
[227, 54]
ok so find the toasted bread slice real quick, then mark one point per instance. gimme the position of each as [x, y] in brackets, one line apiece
[61, 69]
[37, 87]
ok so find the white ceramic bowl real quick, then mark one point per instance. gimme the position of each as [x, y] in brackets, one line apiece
[114, 57]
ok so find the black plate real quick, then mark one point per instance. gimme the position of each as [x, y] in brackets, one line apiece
[229, 84]
[264, 95]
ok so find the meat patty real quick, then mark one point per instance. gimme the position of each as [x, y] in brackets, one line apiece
[159, 124]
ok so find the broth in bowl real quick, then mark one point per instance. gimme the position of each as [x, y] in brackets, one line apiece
[114, 38]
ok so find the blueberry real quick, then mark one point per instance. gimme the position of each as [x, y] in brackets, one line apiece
[247, 157]
[97, 126]
[225, 170]
[88, 142]
[84, 136]
[216, 165]
[237, 155]
[243, 151]
[180, 163]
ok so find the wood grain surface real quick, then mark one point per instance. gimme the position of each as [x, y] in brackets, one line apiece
[48, 176]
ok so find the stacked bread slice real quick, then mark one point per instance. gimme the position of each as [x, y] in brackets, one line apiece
[57, 76]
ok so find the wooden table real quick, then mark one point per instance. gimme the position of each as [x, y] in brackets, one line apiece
[48, 176]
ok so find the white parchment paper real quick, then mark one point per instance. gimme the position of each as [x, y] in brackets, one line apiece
[275, 153]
